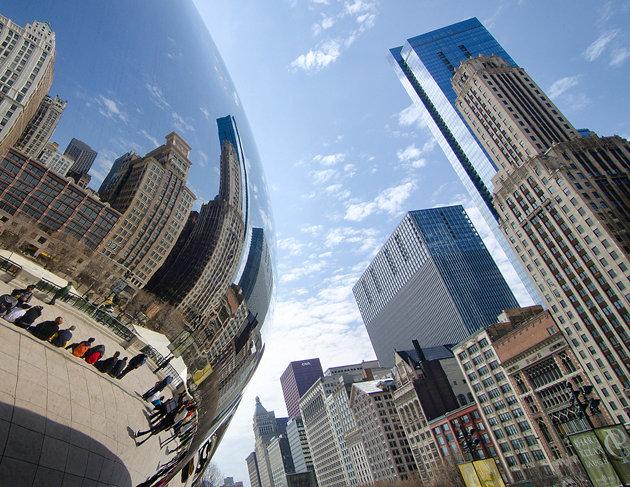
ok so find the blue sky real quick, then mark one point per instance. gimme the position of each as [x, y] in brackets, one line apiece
[345, 156]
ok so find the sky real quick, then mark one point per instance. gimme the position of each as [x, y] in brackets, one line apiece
[345, 155]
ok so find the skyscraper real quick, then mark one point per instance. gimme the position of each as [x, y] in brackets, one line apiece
[41, 127]
[111, 183]
[297, 378]
[425, 65]
[54, 160]
[433, 280]
[27, 64]
[257, 277]
[82, 155]
[300, 451]
[252, 470]
[564, 206]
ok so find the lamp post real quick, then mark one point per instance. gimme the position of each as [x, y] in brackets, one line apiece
[469, 444]
[584, 402]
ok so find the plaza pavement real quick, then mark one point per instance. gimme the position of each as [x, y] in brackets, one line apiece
[62, 422]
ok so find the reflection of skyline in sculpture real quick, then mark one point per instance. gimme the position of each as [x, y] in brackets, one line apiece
[257, 278]
[41, 127]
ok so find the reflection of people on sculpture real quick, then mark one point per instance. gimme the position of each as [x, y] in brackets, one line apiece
[160, 385]
[134, 363]
[61, 293]
[107, 365]
[62, 337]
[94, 354]
[24, 295]
[7, 303]
[46, 329]
[174, 419]
[118, 368]
[29, 317]
[15, 314]
[164, 364]
[79, 349]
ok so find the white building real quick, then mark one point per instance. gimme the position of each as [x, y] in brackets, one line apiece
[41, 127]
[56, 161]
[27, 57]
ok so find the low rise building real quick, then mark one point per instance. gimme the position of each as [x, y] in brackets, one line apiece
[54, 160]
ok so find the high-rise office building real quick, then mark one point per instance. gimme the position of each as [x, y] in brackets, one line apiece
[155, 201]
[41, 127]
[26, 64]
[257, 277]
[112, 181]
[280, 460]
[433, 280]
[252, 470]
[82, 155]
[300, 451]
[297, 378]
[425, 65]
[54, 160]
[564, 207]
[267, 428]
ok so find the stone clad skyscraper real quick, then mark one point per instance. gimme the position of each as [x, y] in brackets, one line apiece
[41, 127]
[26, 68]
[425, 65]
[433, 280]
[564, 205]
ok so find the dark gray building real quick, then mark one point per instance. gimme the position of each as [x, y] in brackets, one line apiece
[298, 378]
[433, 280]
[82, 155]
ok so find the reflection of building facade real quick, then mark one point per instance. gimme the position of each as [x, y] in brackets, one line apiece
[501, 406]
[564, 205]
[29, 189]
[429, 384]
[425, 67]
[54, 160]
[83, 156]
[26, 67]
[544, 371]
[119, 169]
[41, 127]
[433, 280]
[296, 379]
[257, 278]
[154, 200]
[252, 470]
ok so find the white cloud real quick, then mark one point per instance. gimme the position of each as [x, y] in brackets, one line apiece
[597, 47]
[561, 85]
[181, 123]
[150, 138]
[411, 116]
[390, 200]
[312, 229]
[619, 56]
[205, 112]
[350, 170]
[309, 267]
[158, 97]
[318, 58]
[326, 23]
[329, 159]
[111, 109]
[364, 239]
[412, 155]
[291, 245]
[323, 175]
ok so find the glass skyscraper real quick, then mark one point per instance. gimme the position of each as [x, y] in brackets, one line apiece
[433, 280]
[425, 65]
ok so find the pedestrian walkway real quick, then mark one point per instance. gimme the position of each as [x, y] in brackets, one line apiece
[62, 422]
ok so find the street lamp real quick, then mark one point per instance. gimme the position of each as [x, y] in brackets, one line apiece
[583, 400]
[466, 440]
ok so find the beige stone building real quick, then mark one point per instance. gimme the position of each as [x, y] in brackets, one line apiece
[384, 441]
[55, 161]
[564, 204]
[155, 203]
[27, 58]
[41, 127]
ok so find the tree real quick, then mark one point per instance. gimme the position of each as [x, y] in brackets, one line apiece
[212, 477]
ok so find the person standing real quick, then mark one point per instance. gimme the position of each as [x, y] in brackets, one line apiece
[94, 354]
[165, 363]
[159, 386]
[61, 293]
[7, 303]
[137, 361]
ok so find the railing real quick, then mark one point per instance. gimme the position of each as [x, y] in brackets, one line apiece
[159, 359]
[9, 266]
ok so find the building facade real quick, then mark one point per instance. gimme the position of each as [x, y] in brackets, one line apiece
[300, 451]
[252, 470]
[425, 65]
[56, 162]
[433, 280]
[256, 281]
[297, 378]
[501, 406]
[29, 189]
[565, 208]
[544, 372]
[82, 155]
[384, 441]
[41, 127]
[154, 201]
[119, 169]
[265, 429]
[280, 461]
[27, 62]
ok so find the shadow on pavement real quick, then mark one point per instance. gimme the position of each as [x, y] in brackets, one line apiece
[37, 451]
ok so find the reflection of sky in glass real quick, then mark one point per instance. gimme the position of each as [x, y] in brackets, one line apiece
[133, 72]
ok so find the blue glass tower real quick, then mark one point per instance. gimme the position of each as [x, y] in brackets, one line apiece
[425, 65]
[433, 280]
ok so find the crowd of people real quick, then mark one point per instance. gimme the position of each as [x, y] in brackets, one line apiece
[15, 308]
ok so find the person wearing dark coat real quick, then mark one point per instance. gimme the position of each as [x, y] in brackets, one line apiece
[28, 318]
[107, 365]
[94, 353]
[160, 385]
[24, 295]
[62, 337]
[118, 368]
[134, 363]
[46, 329]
